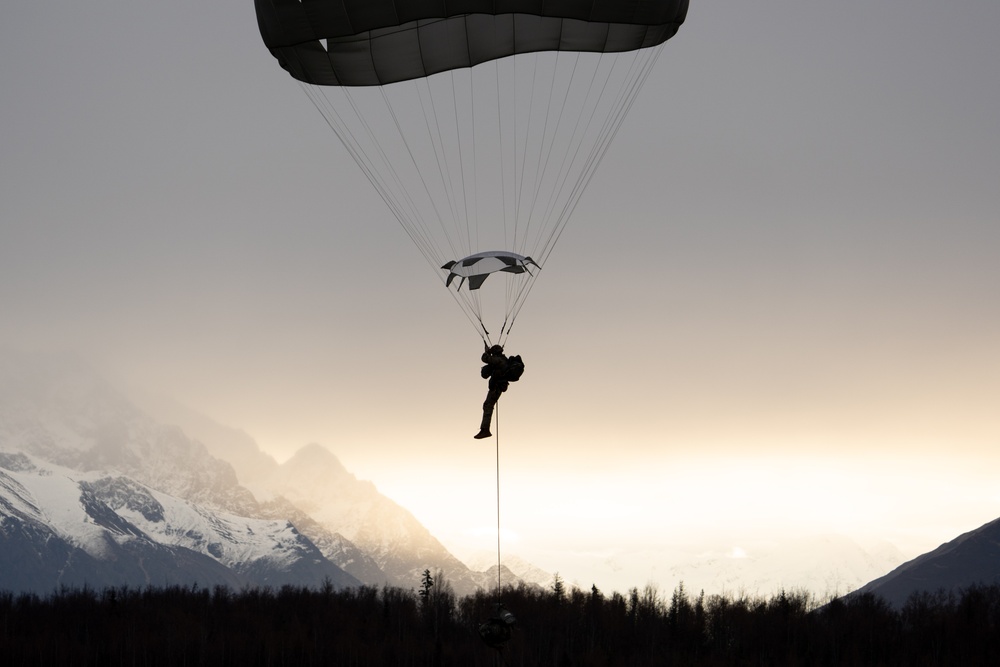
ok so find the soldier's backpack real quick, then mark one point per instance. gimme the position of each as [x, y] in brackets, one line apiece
[515, 367]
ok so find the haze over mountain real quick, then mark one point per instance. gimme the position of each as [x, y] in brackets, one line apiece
[93, 490]
[824, 564]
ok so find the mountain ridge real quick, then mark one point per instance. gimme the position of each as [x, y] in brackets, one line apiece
[972, 558]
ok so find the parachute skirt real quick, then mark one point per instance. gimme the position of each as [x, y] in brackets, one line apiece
[386, 41]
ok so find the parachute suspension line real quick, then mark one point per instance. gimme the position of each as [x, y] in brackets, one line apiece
[516, 240]
[515, 187]
[503, 170]
[524, 157]
[410, 223]
[546, 147]
[471, 227]
[471, 314]
[524, 286]
[338, 125]
[510, 220]
[642, 63]
[561, 120]
[517, 290]
[471, 298]
[541, 164]
[461, 163]
[469, 301]
[526, 129]
[414, 224]
[402, 206]
[436, 137]
[612, 125]
[398, 205]
[504, 330]
[475, 159]
[416, 166]
[623, 103]
[544, 157]
[340, 128]
[570, 157]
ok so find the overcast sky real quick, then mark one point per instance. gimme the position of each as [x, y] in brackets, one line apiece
[777, 308]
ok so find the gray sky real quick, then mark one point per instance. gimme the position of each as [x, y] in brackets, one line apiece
[788, 258]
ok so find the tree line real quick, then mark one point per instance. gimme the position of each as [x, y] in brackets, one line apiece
[559, 626]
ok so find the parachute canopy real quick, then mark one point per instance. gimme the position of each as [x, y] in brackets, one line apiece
[375, 42]
[479, 122]
[477, 267]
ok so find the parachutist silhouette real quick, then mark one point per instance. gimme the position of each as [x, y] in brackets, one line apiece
[501, 371]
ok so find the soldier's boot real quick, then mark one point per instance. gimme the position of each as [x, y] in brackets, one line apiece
[484, 428]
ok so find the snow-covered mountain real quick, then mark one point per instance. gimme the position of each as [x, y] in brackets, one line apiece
[99, 530]
[970, 559]
[316, 482]
[93, 491]
[513, 567]
[367, 534]
[334, 546]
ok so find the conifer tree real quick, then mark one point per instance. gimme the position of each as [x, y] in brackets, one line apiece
[558, 587]
[426, 583]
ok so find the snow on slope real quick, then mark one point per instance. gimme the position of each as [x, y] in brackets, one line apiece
[486, 561]
[55, 496]
[231, 540]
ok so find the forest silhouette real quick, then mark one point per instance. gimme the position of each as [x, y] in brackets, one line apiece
[558, 626]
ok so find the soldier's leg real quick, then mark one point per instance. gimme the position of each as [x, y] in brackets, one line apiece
[484, 428]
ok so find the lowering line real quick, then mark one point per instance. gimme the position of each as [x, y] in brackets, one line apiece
[496, 631]
[498, 499]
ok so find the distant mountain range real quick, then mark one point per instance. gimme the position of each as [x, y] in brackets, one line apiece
[94, 491]
[825, 564]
